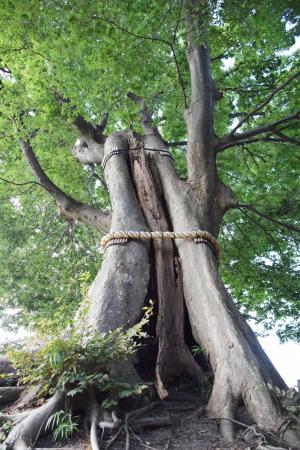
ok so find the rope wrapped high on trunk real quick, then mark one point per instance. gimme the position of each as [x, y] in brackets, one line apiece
[199, 236]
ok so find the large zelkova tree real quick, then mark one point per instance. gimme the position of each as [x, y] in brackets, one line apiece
[185, 116]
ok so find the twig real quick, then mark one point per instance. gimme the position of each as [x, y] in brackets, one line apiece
[265, 102]
[112, 440]
[25, 47]
[177, 22]
[221, 55]
[113, 24]
[267, 232]
[285, 138]
[225, 418]
[60, 239]
[20, 184]
[140, 441]
[179, 75]
[229, 140]
[269, 218]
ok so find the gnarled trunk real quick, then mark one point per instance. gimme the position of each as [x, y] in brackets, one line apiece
[241, 369]
[147, 195]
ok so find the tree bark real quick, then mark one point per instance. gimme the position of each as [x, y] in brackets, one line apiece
[9, 394]
[174, 358]
[146, 193]
[33, 426]
[119, 290]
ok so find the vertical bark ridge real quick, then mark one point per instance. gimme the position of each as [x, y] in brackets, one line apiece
[118, 293]
[174, 357]
[231, 347]
[199, 115]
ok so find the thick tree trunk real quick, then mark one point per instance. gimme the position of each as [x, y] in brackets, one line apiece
[242, 371]
[119, 290]
[146, 194]
[174, 358]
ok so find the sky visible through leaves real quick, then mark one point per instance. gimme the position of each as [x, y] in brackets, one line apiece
[75, 49]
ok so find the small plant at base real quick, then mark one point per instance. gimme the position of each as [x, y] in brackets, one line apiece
[206, 387]
[5, 429]
[78, 358]
[62, 424]
[197, 350]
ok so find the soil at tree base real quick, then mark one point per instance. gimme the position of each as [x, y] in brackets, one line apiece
[189, 430]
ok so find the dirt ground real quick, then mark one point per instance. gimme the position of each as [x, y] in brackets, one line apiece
[188, 430]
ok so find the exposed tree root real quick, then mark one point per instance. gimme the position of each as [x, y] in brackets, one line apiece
[132, 423]
[33, 425]
[94, 439]
[7, 369]
[10, 394]
[151, 422]
[14, 418]
[93, 418]
[139, 440]
[28, 396]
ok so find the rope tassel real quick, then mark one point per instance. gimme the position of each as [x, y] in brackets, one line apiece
[199, 236]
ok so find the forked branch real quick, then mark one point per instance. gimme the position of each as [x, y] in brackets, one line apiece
[89, 149]
[229, 140]
[146, 114]
[70, 208]
[265, 102]
[269, 218]
[145, 111]
[89, 131]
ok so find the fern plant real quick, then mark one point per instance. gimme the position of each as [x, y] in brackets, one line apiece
[62, 424]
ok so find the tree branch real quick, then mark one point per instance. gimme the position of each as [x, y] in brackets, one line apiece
[148, 128]
[264, 229]
[284, 138]
[268, 218]
[70, 208]
[115, 25]
[265, 102]
[269, 139]
[177, 21]
[89, 131]
[215, 58]
[199, 115]
[180, 79]
[21, 184]
[229, 140]
[25, 47]
[90, 147]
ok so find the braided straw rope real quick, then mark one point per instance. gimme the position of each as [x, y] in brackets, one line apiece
[116, 151]
[120, 237]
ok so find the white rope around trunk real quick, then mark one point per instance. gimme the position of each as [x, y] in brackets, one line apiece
[199, 236]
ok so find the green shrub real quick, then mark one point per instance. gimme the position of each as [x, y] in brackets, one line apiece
[77, 359]
[5, 429]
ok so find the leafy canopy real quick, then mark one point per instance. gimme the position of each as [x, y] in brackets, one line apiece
[93, 53]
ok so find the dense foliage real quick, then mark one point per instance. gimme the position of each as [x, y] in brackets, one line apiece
[93, 53]
[78, 359]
